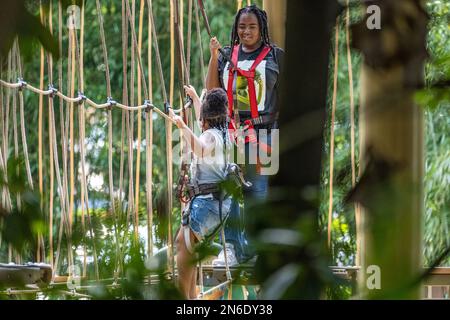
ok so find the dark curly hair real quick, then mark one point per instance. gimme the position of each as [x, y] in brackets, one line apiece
[262, 20]
[214, 107]
[215, 111]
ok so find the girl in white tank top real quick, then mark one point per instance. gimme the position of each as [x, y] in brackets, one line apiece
[210, 149]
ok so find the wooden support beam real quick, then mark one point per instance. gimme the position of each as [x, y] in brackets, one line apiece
[391, 134]
[276, 14]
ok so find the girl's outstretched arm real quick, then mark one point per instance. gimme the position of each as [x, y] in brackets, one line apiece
[201, 146]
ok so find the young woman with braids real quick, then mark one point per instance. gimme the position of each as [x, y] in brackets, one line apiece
[203, 217]
[251, 84]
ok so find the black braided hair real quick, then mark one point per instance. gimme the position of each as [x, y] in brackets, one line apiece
[215, 111]
[262, 20]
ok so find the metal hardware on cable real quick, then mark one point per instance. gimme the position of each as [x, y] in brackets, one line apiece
[53, 90]
[22, 84]
[111, 103]
[167, 107]
[149, 106]
[82, 97]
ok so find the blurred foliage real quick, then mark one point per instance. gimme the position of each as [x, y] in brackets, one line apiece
[24, 221]
[437, 116]
[435, 100]
[343, 245]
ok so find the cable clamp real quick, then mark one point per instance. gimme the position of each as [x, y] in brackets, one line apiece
[111, 103]
[188, 104]
[167, 107]
[82, 97]
[53, 89]
[148, 106]
[22, 84]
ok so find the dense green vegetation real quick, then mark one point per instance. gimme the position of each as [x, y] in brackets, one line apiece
[434, 99]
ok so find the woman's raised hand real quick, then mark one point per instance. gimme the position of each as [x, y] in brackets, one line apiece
[214, 46]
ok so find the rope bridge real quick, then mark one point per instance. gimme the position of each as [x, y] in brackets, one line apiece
[63, 169]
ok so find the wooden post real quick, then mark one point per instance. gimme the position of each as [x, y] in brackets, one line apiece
[391, 133]
[276, 14]
[289, 205]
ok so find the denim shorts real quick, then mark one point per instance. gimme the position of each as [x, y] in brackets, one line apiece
[203, 217]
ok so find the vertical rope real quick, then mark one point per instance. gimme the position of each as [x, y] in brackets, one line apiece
[200, 45]
[149, 145]
[71, 128]
[62, 112]
[189, 39]
[130, 127]
[7, 107]
[16, 59]
[239, 5]
[14, 114]
[5, 145]
[81, 115]
[158, 56]
[170, 257]
[227, 266]
[110, 120]
[6, 199]
[124, 123]
[6, 136]
[50, 140]
[61, 191]
[124, 93]
[181, 19]
[140, 73]
[109, 116]
[333, 112]
[172, 53]
[63, 185]
[139, 130]
[23, 132]
[40, 124]
[352, 130]
[2, 161]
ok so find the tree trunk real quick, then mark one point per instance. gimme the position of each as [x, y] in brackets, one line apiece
[290, 263]
[391, 133]
[276, 15]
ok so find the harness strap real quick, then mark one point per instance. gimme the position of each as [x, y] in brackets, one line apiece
[187, 239]
[230, 93]
[264, 119]
[202, 189]
[250, 75]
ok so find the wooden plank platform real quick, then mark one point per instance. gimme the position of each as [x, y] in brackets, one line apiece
[13, 275]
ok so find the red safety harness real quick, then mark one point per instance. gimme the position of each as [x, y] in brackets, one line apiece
[250, 75]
